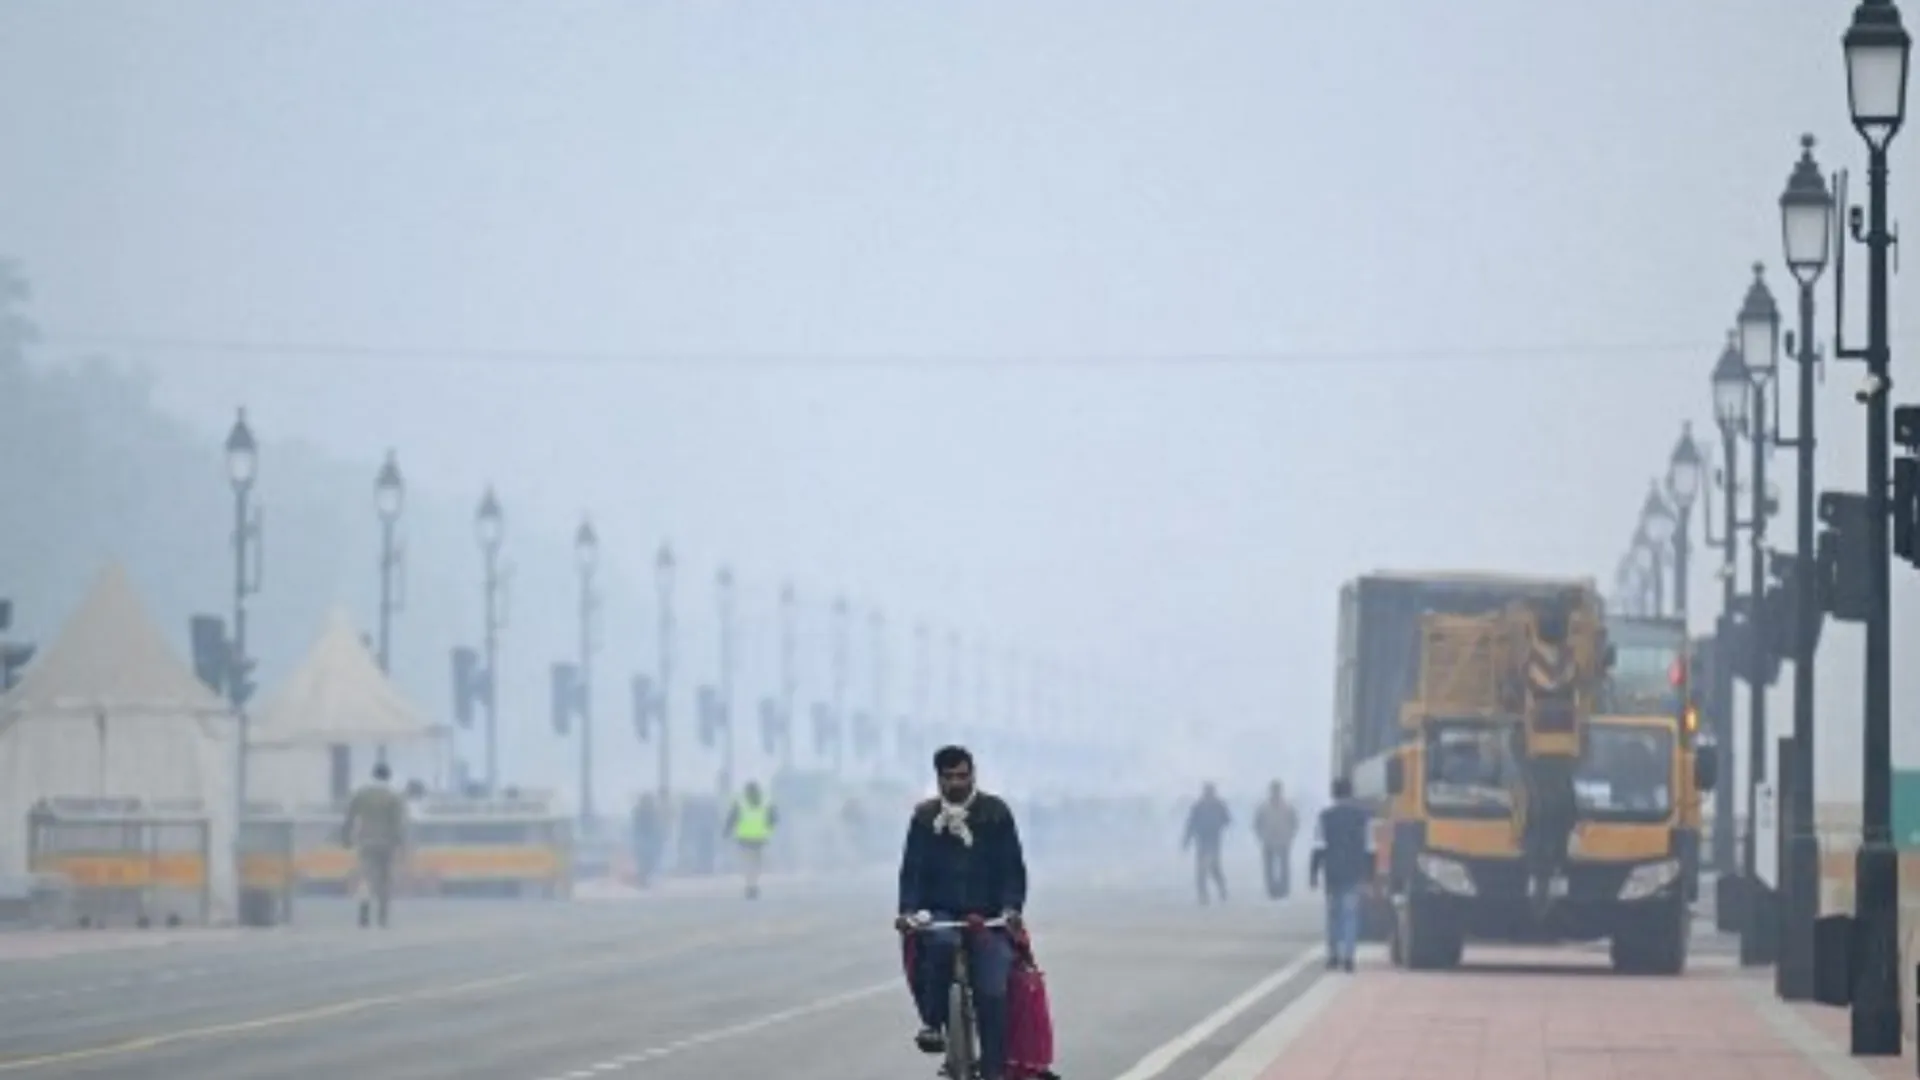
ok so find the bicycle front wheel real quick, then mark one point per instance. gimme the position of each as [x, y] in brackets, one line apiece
[963, 1054]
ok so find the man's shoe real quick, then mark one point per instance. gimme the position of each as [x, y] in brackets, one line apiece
[1333, 963]
[1347, 965]
[930, 1041]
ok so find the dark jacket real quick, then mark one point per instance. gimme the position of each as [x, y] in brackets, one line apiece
[940, 873]
[1343, 846]
[1206, 822]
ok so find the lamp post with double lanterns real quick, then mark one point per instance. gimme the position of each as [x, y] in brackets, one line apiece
[789, 673]
[1877, 50]
[243, 469]
[389, 499]
[1732, 400]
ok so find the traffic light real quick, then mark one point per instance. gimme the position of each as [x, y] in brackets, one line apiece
[240, 672]
[472, 684]
[13, 663]
[1781, 613]
[1841, 557]
[643, 706]
[208, 636]
[568, 698]
[773, 726]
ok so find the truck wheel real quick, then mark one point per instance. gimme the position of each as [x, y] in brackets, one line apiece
[1428, 939]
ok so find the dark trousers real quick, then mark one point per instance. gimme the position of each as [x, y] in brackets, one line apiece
[1277, 861]
[930, 956]
[1206, 867]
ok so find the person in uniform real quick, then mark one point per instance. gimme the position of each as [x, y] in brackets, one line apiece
[376, 830]
[751, 822]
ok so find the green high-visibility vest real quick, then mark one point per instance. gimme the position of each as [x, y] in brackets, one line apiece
[754, 822]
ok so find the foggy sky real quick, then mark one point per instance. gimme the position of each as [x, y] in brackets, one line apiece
[1342, 287]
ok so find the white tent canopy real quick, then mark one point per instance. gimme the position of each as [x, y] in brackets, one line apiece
[338, 696]
[109, 709]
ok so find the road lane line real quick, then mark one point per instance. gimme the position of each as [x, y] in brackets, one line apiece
[731, 1031]
[142, 1043]
[1163, 1057]
[242, 1027]
[1253, 1058]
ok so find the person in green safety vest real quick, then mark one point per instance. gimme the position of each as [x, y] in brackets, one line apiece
[751, 822]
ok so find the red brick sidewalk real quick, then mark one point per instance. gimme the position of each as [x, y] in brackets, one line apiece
[1573, 1020]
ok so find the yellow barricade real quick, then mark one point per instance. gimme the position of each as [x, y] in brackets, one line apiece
[128, 861]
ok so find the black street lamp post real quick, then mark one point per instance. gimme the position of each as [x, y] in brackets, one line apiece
[840, 646]
[1759, 332]
[489, 526]
[663, 569]
[243, 468]
[723, 600]
[389, 499]
[1877, 49]
[1806, 226]
[1732, 398]
[1684, 470]
[1657, 525]
[586, 553]
[789, 676]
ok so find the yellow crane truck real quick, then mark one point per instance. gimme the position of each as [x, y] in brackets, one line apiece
[1511, 805]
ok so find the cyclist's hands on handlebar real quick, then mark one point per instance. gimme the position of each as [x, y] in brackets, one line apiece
[909, 922]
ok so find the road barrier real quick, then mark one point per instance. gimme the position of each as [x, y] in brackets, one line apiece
[127, 862]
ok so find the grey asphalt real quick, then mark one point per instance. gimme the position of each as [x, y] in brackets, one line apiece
[804, 983]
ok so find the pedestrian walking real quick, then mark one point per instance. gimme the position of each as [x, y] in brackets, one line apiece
[1343, 857]
[1275, 824]
[1206, 825]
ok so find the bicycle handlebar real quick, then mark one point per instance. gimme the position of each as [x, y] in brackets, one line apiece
[998, 922]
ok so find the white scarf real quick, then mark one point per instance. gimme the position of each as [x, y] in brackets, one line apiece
[952, 818]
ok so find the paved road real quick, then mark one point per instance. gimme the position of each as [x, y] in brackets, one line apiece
[803, 984]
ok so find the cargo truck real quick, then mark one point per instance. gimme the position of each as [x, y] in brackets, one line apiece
[1513, 804]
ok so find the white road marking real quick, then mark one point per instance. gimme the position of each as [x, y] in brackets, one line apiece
[1162, 1058]
[1255, 1056]
[732, 1031]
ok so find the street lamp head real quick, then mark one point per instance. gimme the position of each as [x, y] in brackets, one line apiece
[389, 489]
[1732, 393]
[723, 583]
[1643, 554]
[1806, 217]
[1684, 471]
[488, 522]
[586, 546]
[663, 569]
[1657, 520]
[243, 454]
[840, 607]
[1877, 49]
[1760, 328]
[787, 596]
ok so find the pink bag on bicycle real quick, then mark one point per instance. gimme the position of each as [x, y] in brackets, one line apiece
[1029, 1018]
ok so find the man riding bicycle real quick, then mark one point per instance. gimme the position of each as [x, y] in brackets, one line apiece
[962, 859]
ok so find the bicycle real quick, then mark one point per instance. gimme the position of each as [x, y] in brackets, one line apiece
[963, 1032]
